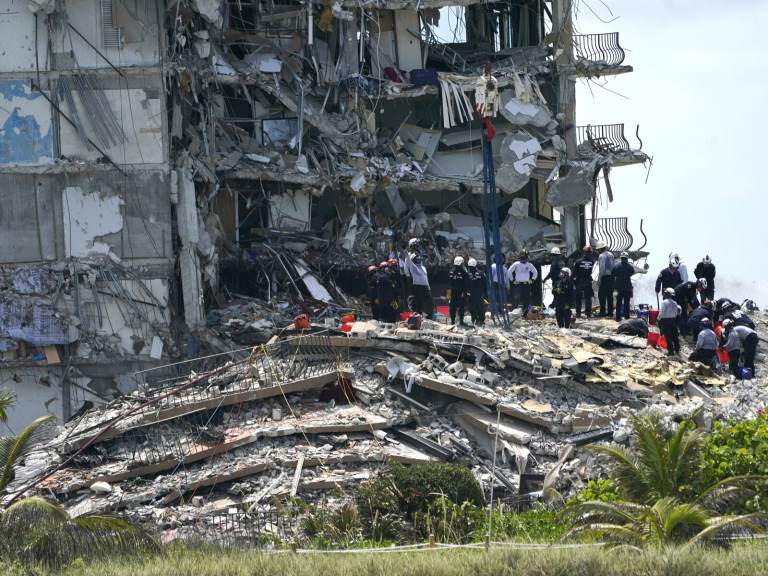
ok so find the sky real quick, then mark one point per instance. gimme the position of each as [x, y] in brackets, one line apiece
[699, 92]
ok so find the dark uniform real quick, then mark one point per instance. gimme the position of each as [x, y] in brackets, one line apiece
[622, 278]
[668, 278]
[739, 318]
[694, 320]
[387, 295]
[373, 298]
[685, 296]
[458, 281]
[582, 280]
[563, 292]
[707, 271]
[476, 288]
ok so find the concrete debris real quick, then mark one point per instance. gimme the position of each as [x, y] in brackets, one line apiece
[317, 411]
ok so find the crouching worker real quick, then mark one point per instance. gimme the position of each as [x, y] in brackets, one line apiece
[741, 344]
[705, 348]
[563, 292]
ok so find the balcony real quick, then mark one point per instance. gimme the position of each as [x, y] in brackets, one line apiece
[616, 235]
[608, 140]
[599, 54]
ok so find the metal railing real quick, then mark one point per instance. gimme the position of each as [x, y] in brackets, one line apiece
[613, 231]
[603, 138]
[599, 48]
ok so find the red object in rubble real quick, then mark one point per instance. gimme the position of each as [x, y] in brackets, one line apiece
[347, 326]
[653, 315]
[490, 129]
[347, 318]
[301, 322]
[405, 315]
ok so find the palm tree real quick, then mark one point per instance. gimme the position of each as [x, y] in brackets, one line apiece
[13, 448]
[655, 479]
[35, 531]
[667, 521]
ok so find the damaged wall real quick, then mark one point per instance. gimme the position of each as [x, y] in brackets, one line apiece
[26, 131]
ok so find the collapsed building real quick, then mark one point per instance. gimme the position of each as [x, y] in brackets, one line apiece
[159, 159]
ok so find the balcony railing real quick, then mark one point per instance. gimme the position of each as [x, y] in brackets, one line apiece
[614, 232]
[599, 48]
[603, 138]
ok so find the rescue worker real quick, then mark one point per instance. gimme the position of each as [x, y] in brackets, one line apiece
[416, 269]
[499, 279]
[458, 281]
[521, 276]
[686, 296]
[622, 276]
[669, 312]
[563, 292]
[386, 293]
[605, 279]
[372, 296]
[723, 306]
[668, 278]
[680, 265]
[703, 312]
[476, 287]
[705, 348]
[741, 344]
[705, 269]
[739, 318]
[396, 272]
[555, 266]
[582, 280]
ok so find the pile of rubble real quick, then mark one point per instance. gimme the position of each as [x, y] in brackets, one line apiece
[315, 412]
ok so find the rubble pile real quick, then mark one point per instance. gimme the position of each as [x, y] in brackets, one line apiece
[313, 413]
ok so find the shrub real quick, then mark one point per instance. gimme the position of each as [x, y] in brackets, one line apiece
[735, 449]
[602, 490]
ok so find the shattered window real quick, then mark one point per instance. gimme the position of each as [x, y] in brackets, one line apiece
[451, 26]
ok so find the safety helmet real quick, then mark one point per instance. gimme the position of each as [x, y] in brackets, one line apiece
[393, 262]
[413, 242]
[675, 264]
[727, 322]
[471, 262]
[669, 292]
[674, 256]
[707, 259]
[625, 255]
[372, 268]
[458, 261]
[565, 272]
[706, 322]
[555, 251]
[600, 244]
[384, 264]
[702, 283]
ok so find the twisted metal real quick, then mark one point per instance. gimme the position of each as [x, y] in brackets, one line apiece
[603, 138]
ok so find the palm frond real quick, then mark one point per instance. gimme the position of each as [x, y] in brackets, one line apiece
[717, 525]
[729, 491]
[40, 532]
[13, 448]
[604, 512]
[7, 399]
[613, 532]
[627, 472]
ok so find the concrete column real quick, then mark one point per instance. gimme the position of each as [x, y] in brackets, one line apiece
[189, 262]
[571, 221]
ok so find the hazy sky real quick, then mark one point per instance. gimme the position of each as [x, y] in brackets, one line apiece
[699, 92]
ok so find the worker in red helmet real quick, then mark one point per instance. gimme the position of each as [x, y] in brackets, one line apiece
[370, 279]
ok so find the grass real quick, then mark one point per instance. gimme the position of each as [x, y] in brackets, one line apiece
[747, 559]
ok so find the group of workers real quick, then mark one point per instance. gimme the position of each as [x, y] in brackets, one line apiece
[687, 306]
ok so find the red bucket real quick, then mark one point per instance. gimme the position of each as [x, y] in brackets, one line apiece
[653, 315]
[723, 356]
[347, 326]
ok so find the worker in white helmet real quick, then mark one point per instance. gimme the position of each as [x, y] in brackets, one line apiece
[705, 269]
[416, 268]
[605, 264]
[458, 281]
[555, 265]
[476, 292]
[521, 276]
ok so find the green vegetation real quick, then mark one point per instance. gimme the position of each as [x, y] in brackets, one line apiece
[744, 560]
[656, 481]
[737, 449]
